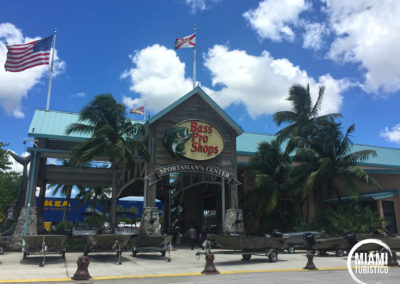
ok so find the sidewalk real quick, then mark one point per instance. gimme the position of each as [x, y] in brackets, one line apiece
[183, 262]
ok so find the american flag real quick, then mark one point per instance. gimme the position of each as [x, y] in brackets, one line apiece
[28, 55]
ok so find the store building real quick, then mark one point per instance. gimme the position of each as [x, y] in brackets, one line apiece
[198, 156]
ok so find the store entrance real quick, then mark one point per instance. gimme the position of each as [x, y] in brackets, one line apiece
[195, 200]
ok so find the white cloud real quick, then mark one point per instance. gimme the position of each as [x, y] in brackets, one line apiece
[158, 76]
[274, 19]
[313, 36]
[200, 5]
[79, 95]
[368, 33]
[392, 135]
[14, 87]
[261, 83]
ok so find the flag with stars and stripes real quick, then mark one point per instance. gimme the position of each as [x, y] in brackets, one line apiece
[23, 56]
[187, 41]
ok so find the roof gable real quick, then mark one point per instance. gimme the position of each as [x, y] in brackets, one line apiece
[208, 100]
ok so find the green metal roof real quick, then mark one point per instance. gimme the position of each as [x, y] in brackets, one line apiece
[247, 144]
[52, 124]
[210, 101]
[369, 196]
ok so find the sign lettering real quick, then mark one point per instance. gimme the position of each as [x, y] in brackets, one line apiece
[195, 140]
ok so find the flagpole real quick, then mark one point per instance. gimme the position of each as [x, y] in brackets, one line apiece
[194, 59]
[51, 71]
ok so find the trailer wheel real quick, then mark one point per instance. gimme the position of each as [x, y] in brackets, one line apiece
[134, 253]
[63, 254]
[246, 257]
[25, 255]
[339, 253]
[291, 250]
[273, 256]
[163, 253]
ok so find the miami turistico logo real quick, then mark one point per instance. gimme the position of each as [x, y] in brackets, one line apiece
[368, 263]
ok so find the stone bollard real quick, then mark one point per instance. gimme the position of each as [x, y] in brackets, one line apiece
[210, 268]
[310, 264]
[82, 272]
[392, 259]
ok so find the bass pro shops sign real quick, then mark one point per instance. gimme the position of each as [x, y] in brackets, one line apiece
[195, 140]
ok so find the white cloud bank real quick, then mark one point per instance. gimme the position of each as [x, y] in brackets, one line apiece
[158, 76]
[313, 36]
[392, 135]
[274, 19]
[367, 32]
[260, 83]
[14, 87]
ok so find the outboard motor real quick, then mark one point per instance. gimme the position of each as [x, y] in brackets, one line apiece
[276, 234]
[350, 237]
[309, 240]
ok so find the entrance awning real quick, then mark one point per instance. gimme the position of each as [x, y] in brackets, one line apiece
[368, 196]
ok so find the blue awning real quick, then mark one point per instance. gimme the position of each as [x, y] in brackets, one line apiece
[368, 196]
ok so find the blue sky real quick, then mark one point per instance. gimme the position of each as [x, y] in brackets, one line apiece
[248, 54]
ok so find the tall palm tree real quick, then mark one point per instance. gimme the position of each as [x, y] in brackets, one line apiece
[326, 158]
[303, 115]
[112, 135]
[95, 195]
[270, 165]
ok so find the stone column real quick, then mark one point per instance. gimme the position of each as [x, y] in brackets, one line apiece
[234, 222]
[18, 234]
[150, 224]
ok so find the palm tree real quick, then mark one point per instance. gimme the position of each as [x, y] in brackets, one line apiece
[95, 195]
[303, 116]
[270, 165]
[65, 190]
[112, 135]
[326, 159]
[134, 212]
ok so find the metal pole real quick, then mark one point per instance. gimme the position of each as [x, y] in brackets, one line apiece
[194, 59]
[51, 71]
[30, 196]
[223, 201]
[169, 208]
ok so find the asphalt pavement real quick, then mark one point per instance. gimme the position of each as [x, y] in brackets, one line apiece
[184, 267]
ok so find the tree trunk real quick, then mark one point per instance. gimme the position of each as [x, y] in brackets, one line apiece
[113, 197]
[67, 211]
[337, 192]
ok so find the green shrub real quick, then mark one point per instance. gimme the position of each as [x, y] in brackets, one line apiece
[347, 217]
[75, 244]
[61, 225]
